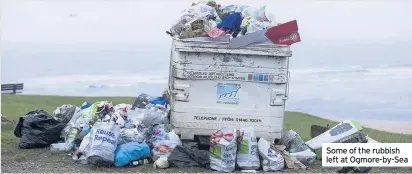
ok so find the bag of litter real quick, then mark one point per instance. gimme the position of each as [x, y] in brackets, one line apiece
[38, 129]
[68, 144]
[183, 156]
[164, 147]
[271, 159]
[223, 147]
[247, 154]
[130, 151]
[306, 157]
[293, 142]
[103, 143]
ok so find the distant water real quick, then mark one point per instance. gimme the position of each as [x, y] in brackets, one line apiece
[355, 92]
[374, 88]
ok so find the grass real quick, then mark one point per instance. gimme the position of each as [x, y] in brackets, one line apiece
[14, 106]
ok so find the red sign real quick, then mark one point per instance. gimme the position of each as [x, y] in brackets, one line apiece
[284, 34]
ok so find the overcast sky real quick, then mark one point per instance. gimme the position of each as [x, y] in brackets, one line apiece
[47, 32]
[127, 21]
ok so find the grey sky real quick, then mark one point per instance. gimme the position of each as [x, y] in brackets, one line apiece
[47, 32]
[126, 21]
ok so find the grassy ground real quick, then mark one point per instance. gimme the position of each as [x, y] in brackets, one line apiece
[14, 106]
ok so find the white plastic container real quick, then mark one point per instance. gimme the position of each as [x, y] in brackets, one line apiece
[213, 86]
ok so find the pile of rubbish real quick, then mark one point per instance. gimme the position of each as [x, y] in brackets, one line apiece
[101, 133]
[209, 19]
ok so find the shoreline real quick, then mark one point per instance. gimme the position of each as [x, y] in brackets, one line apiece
[387, 126]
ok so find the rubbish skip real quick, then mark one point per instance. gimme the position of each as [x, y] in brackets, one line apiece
[247, 155]
[223, 147]
[271, 159]
[131, 151]
[104, 138]
[38, 129]
[182, 156]
[336, 133]
[290, 161]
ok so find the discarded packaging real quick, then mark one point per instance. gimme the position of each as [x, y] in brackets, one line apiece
[68, 144]
[38, 129]
[293, 142]
[316, 130]
[195, 21]
[131, 151]
[103, 143]
[65, 113]
[290, 161]
[271, 159]
[247, 154]
[223, 149]
[161, 163]
[182, 156]
[141, 101]
[336, 133]
[306, 157]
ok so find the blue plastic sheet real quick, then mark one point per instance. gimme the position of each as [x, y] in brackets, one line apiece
[131, 151]
[85, 105]
[158, 100]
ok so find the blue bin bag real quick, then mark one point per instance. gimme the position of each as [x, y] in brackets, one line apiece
[85, 105]
[131, 151]
[158, 100]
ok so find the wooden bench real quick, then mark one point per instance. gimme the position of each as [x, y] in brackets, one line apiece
[11, 88]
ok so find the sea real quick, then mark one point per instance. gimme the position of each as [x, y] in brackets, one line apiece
[356, 81]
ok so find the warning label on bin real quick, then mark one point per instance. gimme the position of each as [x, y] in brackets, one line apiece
[227, 93]
[214, 75]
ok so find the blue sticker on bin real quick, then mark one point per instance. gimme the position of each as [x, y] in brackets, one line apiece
[266, 78]
[260, 77]
[255, 77]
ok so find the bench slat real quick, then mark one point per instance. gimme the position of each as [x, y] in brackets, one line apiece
[12, 88]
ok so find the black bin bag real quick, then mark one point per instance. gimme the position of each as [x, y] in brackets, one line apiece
[38, 129]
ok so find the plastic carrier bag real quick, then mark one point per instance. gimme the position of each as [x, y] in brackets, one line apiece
[271, 159]
[247, 154]
[104, 137]
[223, 147]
